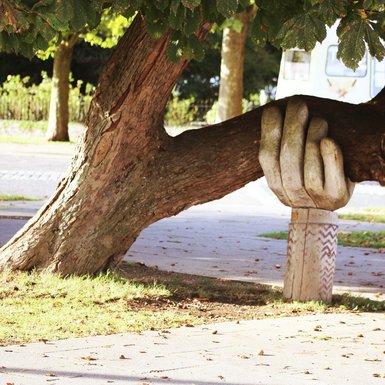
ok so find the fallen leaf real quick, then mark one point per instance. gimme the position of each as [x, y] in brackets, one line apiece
[261, 353]
[306, 372]
[89, 358]
[215, 332]
[244, 357]
[164, 377]
[123, 357]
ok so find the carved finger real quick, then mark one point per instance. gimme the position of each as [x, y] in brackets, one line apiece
[270, 144]
[292, 154]
[314, 168]
[336, 184]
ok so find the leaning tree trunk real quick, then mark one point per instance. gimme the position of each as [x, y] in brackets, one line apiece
[231, 77]
[58, 109]
[128, 173]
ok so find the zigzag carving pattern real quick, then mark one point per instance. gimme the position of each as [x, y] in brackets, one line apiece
[327, 239]
[311, 250]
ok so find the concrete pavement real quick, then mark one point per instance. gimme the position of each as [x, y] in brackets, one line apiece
[332, 349]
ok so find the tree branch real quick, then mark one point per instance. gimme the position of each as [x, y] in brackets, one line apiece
[211, 162]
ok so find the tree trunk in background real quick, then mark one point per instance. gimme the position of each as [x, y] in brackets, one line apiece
[128, 173]
[231, 77]
[58, 109]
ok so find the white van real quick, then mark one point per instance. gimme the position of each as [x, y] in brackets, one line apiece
[320, 73]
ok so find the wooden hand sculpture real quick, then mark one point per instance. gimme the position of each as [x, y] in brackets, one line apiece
[304, 168]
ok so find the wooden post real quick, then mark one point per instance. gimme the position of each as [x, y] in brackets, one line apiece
[311, 255]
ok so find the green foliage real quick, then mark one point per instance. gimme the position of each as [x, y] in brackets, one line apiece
[302, 23]
[23, 101]
[108, 32]
[201, 80]
[180, 112]
[29, 25]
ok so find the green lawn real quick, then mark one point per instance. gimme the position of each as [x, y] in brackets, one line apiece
[375, 239]
[6, 198]
[34, 307]
[369, 214]
[40, 307]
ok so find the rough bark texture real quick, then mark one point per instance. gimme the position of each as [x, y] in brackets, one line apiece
[58, 109]
[231, 77]
[128, 173]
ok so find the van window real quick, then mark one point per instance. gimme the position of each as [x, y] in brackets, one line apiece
[296, 65]
[377, 82]
[335, 67]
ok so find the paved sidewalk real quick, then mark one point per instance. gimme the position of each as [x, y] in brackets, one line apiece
[226, 245]
[332, 349]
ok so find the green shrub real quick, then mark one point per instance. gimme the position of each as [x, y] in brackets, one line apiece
[20, 100]
[180, 112]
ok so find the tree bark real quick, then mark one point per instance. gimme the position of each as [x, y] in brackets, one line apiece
[58, 109]
[128, 173]
[231, 77]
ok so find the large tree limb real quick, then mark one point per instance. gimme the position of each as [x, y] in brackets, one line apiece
[224, 157]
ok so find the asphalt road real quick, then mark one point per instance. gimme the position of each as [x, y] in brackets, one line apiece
[32, 170]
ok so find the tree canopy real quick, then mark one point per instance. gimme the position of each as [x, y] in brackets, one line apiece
[29, 25]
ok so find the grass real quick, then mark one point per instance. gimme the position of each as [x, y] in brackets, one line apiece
[44, 307]
[376, 215]
[374, 239]
[7, 198]
[32, 140]
[40, 307]
[24, 125]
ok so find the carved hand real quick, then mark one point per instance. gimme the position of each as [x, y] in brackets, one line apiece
[303, 167]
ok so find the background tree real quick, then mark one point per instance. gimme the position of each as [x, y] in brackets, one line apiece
[128, 172]
[105, 35]
[232, 64]
[200, 80]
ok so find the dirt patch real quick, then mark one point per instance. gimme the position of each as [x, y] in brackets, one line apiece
[212, 299]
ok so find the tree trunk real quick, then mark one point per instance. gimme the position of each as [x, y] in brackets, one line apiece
[231, 77]
[128, 173]
[58, 109]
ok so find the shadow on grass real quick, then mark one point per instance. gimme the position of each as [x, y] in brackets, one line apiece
[189, 287]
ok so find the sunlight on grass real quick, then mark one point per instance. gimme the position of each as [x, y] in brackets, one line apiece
[41, 306]
[369, 214]
[6, 198]
[44, 306]
[374, 239]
